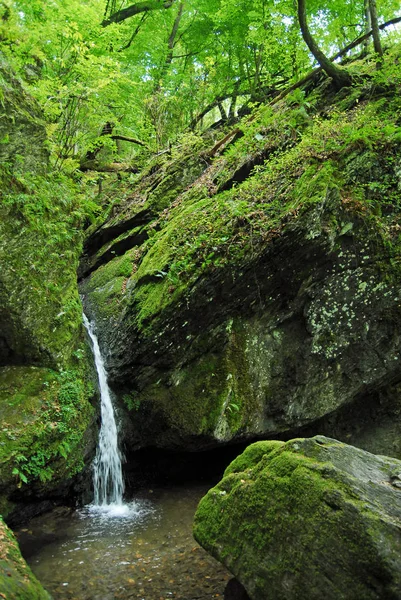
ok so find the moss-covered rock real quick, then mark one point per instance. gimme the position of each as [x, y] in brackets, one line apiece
[45, 434]
[22, 129]
[17, 581]
[307, 519]
[262, 300]
[40, 312]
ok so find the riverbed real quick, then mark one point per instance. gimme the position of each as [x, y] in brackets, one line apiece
[145, 551]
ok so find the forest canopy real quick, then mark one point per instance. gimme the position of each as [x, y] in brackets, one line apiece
[123, 76]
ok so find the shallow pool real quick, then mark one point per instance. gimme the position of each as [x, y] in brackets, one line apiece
[144, 551]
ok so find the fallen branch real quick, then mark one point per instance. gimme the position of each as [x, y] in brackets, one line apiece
[125, 138]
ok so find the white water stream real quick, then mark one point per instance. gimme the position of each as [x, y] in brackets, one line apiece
[107, 471]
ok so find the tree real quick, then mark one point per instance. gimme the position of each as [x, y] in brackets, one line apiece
[340, 77]
[375, 29]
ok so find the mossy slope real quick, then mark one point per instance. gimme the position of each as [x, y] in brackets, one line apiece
[307, 519]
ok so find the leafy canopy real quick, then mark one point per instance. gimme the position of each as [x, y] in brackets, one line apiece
[150, 69]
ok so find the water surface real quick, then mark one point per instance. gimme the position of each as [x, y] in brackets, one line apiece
[144, 550]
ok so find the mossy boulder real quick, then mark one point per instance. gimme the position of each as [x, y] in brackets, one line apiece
[263, 299]
[17, 581]
[307, 519]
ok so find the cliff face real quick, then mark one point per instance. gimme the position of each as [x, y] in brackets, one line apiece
[45, 367]
[251, 289]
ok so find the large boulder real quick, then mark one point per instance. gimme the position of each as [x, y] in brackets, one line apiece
[16, 579]
[307, 519]
[258, 302]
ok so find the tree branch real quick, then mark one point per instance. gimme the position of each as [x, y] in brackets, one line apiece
[339, 54]
[125, 138]
[136, 9]
[135, 33]
[340, 77]
[93, 165]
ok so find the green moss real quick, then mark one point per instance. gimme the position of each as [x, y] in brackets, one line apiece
[200, 236]
[45, 417]
[40, 243]
[252, 456]
[285, 518]
[17, 581]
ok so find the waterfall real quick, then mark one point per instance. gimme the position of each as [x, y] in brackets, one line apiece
[107, 472]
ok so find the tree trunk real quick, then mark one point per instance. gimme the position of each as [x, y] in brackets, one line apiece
[375, 31]
[341, 78]
[368, 25]
[170, 46]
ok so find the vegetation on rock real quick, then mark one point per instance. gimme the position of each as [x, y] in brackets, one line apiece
[255, 296]
[307, 518]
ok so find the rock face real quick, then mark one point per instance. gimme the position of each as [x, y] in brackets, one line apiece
[47, 420]
[307, 519]
[22, 129]
[256, 303]
[16, 578]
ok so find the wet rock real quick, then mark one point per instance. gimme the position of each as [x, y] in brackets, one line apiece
[307, 519]
[16, 578]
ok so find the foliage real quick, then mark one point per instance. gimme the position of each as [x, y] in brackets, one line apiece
[149, 81]
[45, 415]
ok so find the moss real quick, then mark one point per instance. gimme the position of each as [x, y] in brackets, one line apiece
[286, 520]
[192, 402]
[210, 396]
[40, 312]
[252, 456]
[45, 417]
[17, 581]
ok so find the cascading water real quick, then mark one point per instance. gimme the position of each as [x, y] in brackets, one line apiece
[107, 471]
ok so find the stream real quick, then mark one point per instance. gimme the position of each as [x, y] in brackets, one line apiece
[145, 552]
